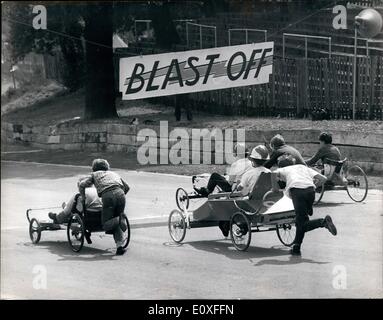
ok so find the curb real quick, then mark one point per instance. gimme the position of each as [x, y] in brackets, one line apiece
[88, 167]
[148, 222]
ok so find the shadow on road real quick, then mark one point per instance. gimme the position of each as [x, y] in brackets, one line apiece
[330, 204]
[62, 249]
[292, 260]
[225, 247]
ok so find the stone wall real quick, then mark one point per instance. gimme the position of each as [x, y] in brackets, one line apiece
[365, 149]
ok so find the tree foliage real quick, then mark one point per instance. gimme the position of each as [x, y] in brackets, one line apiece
[83, 34]
[164, 29]
[100, 99]
[63, 35]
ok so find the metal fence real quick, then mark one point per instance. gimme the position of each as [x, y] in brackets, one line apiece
[306, 39]
[300, 87]
[200, 35]
[241, 36]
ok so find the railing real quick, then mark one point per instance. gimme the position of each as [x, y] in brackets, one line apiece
[300, 87]
[263, 31]
[200, 26]
[305, 37]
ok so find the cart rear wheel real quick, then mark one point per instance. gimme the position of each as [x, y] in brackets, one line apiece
[240, 231]
[34, 231]
[286, 234]
[357, 184]
[319, 191]
[177, 226]
[182, 199]
[76, 232]
[126, 232]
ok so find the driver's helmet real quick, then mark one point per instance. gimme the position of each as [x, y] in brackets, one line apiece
[260, 152]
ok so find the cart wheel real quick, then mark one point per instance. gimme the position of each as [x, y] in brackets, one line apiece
[34, 231]
[76, 232]
[126, 233]
[182, 198]
[357, 184]
[319, 193]
[240, 231]
[286, 234]
[177, 226]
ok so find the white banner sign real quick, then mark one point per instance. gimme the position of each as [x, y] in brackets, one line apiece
[196, 70]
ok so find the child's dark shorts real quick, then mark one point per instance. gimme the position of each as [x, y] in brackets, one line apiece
[113, 205]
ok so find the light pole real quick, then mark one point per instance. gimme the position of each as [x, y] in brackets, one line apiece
[354, 71]
[12, 71]
[368, 23]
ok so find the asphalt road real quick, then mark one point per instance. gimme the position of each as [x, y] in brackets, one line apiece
[205, 266]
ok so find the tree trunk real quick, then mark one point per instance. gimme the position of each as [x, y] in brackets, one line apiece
[100, 84]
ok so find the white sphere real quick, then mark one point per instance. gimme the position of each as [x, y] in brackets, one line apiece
[369, 23]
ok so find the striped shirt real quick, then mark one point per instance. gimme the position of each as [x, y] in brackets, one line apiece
[103, 180]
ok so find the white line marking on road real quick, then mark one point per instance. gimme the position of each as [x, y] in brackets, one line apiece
[26, 151]
[88, 167]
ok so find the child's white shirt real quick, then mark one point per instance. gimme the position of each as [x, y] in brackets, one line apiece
[250, 178]
[297, 176]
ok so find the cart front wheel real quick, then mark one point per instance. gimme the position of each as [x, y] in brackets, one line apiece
[240, 231]
[286, 234]
[76, 232]
[177, 226]
[357, 184]
[34, 231]
[182, 199]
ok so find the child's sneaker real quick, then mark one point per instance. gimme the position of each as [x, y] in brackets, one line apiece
[329, 225]
[120, 251]
[202, 191]
[53, 216]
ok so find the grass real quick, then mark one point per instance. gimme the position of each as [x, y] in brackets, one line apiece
[69, 106]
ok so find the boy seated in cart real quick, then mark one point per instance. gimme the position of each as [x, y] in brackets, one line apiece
[235, 173]
[259, 155]
[278, 148]
[75, 204]
[330, 157]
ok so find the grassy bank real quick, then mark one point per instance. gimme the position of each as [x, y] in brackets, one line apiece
[69, 106]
